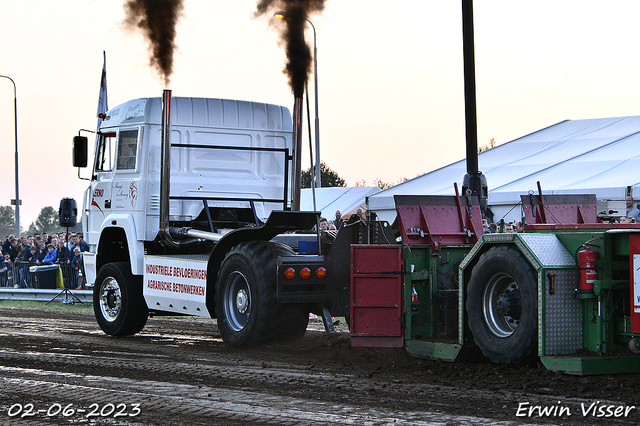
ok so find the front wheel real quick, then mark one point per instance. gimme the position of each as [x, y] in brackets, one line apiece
[118, 303]
[502, 306]
[246, 307]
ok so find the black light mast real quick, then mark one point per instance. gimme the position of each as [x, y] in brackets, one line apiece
[474, 181]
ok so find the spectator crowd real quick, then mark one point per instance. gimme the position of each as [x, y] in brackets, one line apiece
[20, 253]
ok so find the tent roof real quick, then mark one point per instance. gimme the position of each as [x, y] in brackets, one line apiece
[573, 156]
[328, 200]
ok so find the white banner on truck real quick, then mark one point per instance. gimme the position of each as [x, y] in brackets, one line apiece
[176, 284]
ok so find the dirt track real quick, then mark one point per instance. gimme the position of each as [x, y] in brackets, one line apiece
[178, 372]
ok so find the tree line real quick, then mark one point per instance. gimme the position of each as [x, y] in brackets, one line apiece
[331, 178]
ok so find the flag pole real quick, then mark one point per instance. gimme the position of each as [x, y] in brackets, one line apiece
[103, 106]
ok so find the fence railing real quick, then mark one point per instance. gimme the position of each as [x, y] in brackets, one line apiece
[32, 275]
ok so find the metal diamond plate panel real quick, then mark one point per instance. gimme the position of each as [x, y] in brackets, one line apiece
[480, 243]
[563, 313]
[548, 250]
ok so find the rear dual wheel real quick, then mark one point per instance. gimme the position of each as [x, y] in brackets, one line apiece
[247, 309]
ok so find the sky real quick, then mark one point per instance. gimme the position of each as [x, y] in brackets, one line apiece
[390, 77]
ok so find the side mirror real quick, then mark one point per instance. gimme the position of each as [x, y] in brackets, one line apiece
[80, 151]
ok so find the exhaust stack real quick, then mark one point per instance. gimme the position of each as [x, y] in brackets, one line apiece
[297, 153]
[165, 174]
[165, 164]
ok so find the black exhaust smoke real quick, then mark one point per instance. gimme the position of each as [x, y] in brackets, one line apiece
[298, 67]
[157, 20]
[296, 13]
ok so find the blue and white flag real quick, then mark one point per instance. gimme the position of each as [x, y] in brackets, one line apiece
[102, 98]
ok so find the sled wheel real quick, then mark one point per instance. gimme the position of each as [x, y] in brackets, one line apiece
[502, 306]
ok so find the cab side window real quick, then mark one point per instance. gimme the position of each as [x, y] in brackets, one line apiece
[127, 150]
[106, 151]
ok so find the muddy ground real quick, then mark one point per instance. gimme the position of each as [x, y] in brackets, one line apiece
[59, 368]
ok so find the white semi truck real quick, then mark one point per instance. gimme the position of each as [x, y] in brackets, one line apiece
[185, 196]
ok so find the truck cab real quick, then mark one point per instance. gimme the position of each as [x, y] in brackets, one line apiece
[228, 168]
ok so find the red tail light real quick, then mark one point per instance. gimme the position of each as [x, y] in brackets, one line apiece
[289, 273]
[305, 273]
[321, 272]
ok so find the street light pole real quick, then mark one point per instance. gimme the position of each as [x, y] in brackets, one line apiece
[315, 81]
[317, 178]
[15, 114]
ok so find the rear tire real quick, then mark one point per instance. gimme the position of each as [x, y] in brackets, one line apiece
[118, 302]
[246, 306]
[502, 306]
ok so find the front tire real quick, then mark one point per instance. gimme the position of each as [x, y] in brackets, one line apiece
[502, 306]
[118, 302]
[247, 310]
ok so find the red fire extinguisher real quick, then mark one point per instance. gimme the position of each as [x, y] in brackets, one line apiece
[587, 266]
[414, 298]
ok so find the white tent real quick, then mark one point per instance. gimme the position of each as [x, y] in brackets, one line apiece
[596, 156]
[328, 200]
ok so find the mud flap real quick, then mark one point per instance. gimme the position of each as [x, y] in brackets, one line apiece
[376, 296]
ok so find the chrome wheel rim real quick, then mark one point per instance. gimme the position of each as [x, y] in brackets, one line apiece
[502, 305]
[237, 301]
[110, 299]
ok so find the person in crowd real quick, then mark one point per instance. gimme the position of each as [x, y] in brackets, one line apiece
[6, 246]
[63, 257]
[37, 239]
[337, 222]
[71, 244]
[41, 252]
[29, 253]
[51, 255]
[30, 257]
[632, 210]
[332, 226]
[76, 264]
[4, 271]
[76, 257]
[15, 264]
[324, 224]
[84, 247]
[64, 260]
[75, 241]
[12, 250]
[19, 255]
[485, 226]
